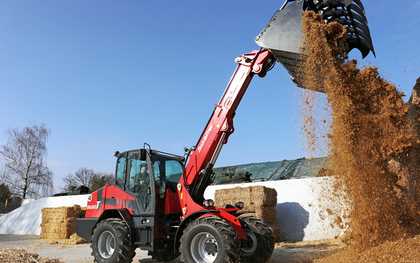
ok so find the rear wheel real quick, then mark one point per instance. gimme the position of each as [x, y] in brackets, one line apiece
[260, 243]
[111, 242]
[209, 240]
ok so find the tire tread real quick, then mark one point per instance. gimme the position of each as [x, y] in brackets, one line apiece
[265, 240]
[126, 251]
[226, 231]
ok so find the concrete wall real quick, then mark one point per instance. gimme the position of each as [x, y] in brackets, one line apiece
[304, 207]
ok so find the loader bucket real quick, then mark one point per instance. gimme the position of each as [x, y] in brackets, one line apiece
[283, 34]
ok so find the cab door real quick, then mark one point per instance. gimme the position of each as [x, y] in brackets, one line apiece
[140, 182]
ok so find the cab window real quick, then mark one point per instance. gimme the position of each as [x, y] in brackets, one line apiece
[138, 177]
[156, 170]
[139, 180]
[120, 174]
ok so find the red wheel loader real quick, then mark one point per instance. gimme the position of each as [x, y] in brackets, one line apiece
[157, 203]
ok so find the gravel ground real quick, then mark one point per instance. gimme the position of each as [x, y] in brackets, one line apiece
[68, 254]
[284, 253]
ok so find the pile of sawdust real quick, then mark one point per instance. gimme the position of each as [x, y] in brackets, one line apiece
[22, 256]
[414, 116]
[373, 145]
[401, 251]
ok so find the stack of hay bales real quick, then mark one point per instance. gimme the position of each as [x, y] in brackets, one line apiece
[258, 200]
[59, 223]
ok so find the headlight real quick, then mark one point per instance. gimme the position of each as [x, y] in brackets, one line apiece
[208, 203]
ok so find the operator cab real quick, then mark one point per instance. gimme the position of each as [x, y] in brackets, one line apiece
[152, 176]
[134, 167]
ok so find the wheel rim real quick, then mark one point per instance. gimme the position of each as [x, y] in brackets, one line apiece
[106, 244]
[251, 243]
[204, 248]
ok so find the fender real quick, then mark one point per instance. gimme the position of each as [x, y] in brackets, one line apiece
[86, 226]
[122, 214]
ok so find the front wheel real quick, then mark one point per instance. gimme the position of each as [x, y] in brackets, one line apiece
[209, 240]
[259, 245]
[111, 242]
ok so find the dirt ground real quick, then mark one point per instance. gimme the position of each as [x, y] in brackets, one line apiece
[303, 252]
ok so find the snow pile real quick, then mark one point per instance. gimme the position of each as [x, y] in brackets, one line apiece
[26, 201]
[27, 219]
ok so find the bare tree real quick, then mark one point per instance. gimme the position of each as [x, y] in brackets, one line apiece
[86, 177]
[23, 156]
[3, 173]
[5, 195]
[100, 179]
[81, 177]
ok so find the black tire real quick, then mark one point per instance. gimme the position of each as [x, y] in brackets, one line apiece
[222, 239]
[123, 248]
[260, 244]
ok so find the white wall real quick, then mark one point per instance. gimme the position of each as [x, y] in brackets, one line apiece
[306, 208]
[26, 220]
[302, 206]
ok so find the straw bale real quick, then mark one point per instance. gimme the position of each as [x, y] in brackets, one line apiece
[253, 197]
[59, 223]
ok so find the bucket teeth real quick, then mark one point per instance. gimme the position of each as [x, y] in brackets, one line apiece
[283, 35]
[359, 22]
[352, 15]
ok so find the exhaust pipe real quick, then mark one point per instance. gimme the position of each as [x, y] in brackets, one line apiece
[283, 35]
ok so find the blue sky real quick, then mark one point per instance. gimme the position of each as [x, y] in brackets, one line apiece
[110, 75]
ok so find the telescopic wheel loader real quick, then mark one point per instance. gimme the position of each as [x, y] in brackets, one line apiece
[157, 203]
